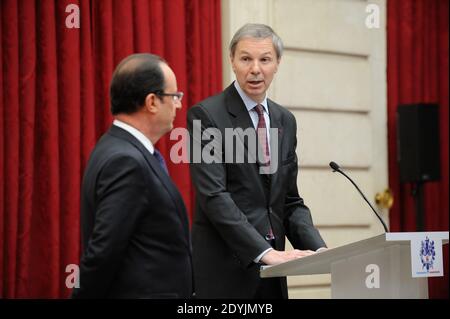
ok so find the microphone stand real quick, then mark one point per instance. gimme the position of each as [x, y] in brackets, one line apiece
[417, 193]
[336, 168]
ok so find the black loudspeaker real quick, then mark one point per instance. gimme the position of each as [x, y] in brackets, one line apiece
[418, 142]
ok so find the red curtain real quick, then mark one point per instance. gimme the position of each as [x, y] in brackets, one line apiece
[417, 71]
[54, 106]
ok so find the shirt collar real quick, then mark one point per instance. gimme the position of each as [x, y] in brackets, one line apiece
[137, 134]
[249, 103]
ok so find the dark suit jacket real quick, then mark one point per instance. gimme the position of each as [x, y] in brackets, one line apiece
[134, 225]
[235, 205]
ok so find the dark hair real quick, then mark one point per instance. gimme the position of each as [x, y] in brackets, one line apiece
[133, 79]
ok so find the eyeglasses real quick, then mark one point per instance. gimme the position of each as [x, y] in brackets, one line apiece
[176, 97]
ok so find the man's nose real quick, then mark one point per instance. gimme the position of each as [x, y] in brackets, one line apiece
[255, 69]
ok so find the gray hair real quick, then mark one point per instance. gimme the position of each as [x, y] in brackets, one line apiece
[257, 31]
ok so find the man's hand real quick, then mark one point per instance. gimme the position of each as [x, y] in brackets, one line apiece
[274, 257]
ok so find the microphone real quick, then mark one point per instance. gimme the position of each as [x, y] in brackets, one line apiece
[336, 168]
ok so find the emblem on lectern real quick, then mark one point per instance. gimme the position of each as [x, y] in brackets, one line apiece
[427, 254]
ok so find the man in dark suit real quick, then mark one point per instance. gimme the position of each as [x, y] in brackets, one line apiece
[243, 214]
[135, 230]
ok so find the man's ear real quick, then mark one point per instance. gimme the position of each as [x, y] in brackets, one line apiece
[278, 64]
[151, 103]
[231, 62]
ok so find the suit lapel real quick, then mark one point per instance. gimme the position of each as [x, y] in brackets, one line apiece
[156, 167]
[275, 123]
[240, 119]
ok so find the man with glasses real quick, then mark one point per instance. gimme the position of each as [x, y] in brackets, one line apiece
[243, 215]
[135, 230]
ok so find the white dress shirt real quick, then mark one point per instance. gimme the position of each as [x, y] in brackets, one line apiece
[137, 134]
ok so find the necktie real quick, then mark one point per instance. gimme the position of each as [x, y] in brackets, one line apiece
[262, 134]
[263, 142]
[161, 160]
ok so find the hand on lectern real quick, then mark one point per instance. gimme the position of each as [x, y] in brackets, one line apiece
[273, 257]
